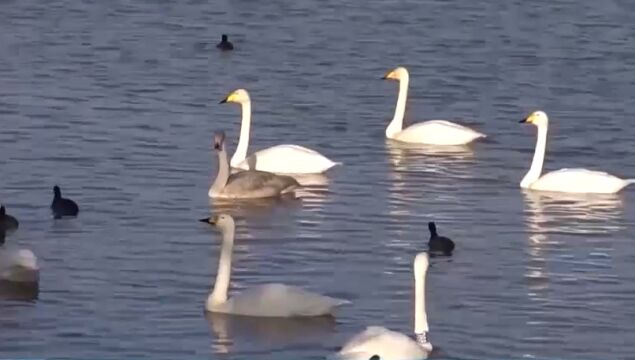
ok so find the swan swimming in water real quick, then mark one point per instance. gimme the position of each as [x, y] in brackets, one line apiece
[270, 300]
[247, 184]
[8, 223]
[282, 159]
[17, 265]
[565, 180]
[432, 132]
[392, 345]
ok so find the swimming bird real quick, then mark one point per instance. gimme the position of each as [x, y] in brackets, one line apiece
[281, 159]
[8, 223]
[62, 207]
[270, 300]
[246, 184]
[565, 180]
[432, 132]
[17, 265]
[393, 345]
[225, 44]
[439, 244]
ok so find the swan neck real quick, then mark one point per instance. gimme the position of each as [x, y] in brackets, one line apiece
[421, 317]
[243, 141]
[223, 172]
[539, 157]
[223, 275]
[396, 125]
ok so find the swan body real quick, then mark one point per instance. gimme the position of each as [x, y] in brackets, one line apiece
[17, 265]
[281, 159]
[270, 300]
[432, 132]
[392, 345]
[248, 184]
[565, 180]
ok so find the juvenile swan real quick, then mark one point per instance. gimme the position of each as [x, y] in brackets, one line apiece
[433, 132]
[392, 345]
[246, 184]
[17, 265]
[270, 300]
[282, 159]
[565, 180]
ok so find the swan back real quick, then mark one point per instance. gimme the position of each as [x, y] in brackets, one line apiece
[385, 343]
[279, 300]
[438, 132]
[579, 181]
[287, 159]
[18, 265]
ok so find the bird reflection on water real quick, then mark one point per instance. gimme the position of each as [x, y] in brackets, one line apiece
[229, 330]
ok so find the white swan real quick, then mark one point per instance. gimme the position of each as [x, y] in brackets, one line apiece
[17, 265]
[270, 300]
[392, 345]
[565, 180]
[248, 184]
[282, 159]
[432, 132]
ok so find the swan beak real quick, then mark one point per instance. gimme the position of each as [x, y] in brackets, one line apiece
[523, 120]
[223, 101]
[209, 220]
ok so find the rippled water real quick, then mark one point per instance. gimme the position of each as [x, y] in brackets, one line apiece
[117, 103]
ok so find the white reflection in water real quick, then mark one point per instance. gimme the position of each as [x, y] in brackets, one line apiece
[274, 332]
[562, 213]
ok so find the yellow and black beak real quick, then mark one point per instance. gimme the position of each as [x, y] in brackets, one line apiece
[224, 100]
[209, 220]
[527, 120]
[523, 120]
[387, 76]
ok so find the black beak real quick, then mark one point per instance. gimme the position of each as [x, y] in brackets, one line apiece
[523, 120]
[207, 220]
[385, 77]
[223, 101]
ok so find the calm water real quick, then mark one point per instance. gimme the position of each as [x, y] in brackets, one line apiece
[117, 103]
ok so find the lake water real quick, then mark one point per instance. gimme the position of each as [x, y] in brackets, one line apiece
[117, 102]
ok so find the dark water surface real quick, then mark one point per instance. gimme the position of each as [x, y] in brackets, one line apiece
[116, 101]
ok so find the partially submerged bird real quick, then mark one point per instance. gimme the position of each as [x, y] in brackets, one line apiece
[439, 245]
[247, 184]
[62, 207]
[225, 44]
[269, 300]
[8, 223]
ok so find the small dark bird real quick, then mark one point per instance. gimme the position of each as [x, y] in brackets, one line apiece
[2, 236]
[224, 44]
[62, 207]
[374, 357]
[7, 222]
[439, 245]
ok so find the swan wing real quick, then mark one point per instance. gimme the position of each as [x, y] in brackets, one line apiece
[577, 180]
[278, 300]
[287, 159]
[388, 344]
[438, 132]
[252, 181]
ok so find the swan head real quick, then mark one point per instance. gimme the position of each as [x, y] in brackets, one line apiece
[399, 73]
[422, 261]
[221, 221]
[219, 140]
[240, 96]
[538, 118]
